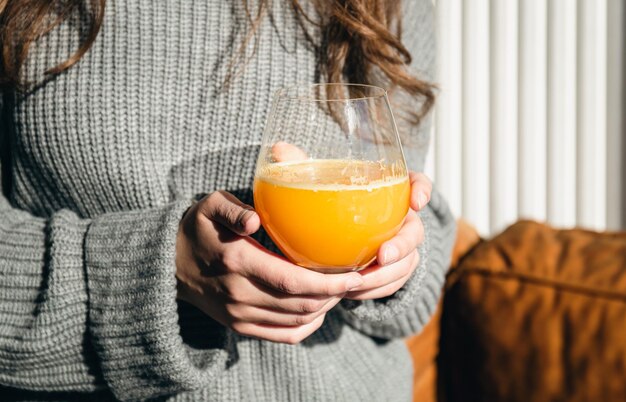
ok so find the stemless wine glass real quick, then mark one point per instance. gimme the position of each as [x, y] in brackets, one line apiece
[331, 182]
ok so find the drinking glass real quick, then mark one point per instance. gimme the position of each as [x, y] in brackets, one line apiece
[331, 182]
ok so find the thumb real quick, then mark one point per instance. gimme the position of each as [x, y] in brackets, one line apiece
[226, 209]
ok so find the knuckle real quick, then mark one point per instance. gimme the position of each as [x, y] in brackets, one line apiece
[305, 307]
[219, 208]
[210, 201]
[310, 306]
[229, 213]
[213, 197]
[288, 285]
[299, 320]
[302, 307]
[304, 319]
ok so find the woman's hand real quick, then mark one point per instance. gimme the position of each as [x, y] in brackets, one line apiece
[237, 282]
[398, 257]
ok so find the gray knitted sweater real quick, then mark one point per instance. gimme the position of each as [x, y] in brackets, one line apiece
[98, 165]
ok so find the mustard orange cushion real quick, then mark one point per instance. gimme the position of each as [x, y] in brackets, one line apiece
[536, 314]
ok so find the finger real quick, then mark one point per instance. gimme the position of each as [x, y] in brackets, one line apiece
[226, 209]
[410, 236]
[260, 315]
[273, 271]
[246, 291]
[421, 189]
[380, 292]
[377, 292]
[378, 276]
[289, 335]
[285, 152]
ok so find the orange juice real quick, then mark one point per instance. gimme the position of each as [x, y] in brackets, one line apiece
[331, 215]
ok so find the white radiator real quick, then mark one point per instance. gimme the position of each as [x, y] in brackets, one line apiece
[530, 116]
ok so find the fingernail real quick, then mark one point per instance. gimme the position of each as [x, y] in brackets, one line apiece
[390, 254]
[354, 282]
[422, 200]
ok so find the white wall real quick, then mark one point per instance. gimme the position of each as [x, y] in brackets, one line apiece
[530, 117]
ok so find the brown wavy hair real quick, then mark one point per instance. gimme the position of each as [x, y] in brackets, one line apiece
[359, 39]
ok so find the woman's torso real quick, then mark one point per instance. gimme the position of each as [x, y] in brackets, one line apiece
[144, 118]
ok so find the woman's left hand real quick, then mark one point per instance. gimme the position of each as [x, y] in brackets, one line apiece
[398, 257]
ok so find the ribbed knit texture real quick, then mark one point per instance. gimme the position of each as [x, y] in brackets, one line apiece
[99, 165]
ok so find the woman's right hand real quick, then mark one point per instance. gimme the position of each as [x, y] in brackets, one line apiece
[233, 279]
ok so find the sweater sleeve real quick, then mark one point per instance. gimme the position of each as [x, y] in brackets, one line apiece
[90, 305]
[410, 308]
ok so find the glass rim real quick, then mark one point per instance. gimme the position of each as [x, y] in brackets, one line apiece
[283, 92]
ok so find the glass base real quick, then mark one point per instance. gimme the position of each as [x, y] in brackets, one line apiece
[339, 270]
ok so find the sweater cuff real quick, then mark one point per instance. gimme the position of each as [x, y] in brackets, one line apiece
[410, 308]
[130, 259]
